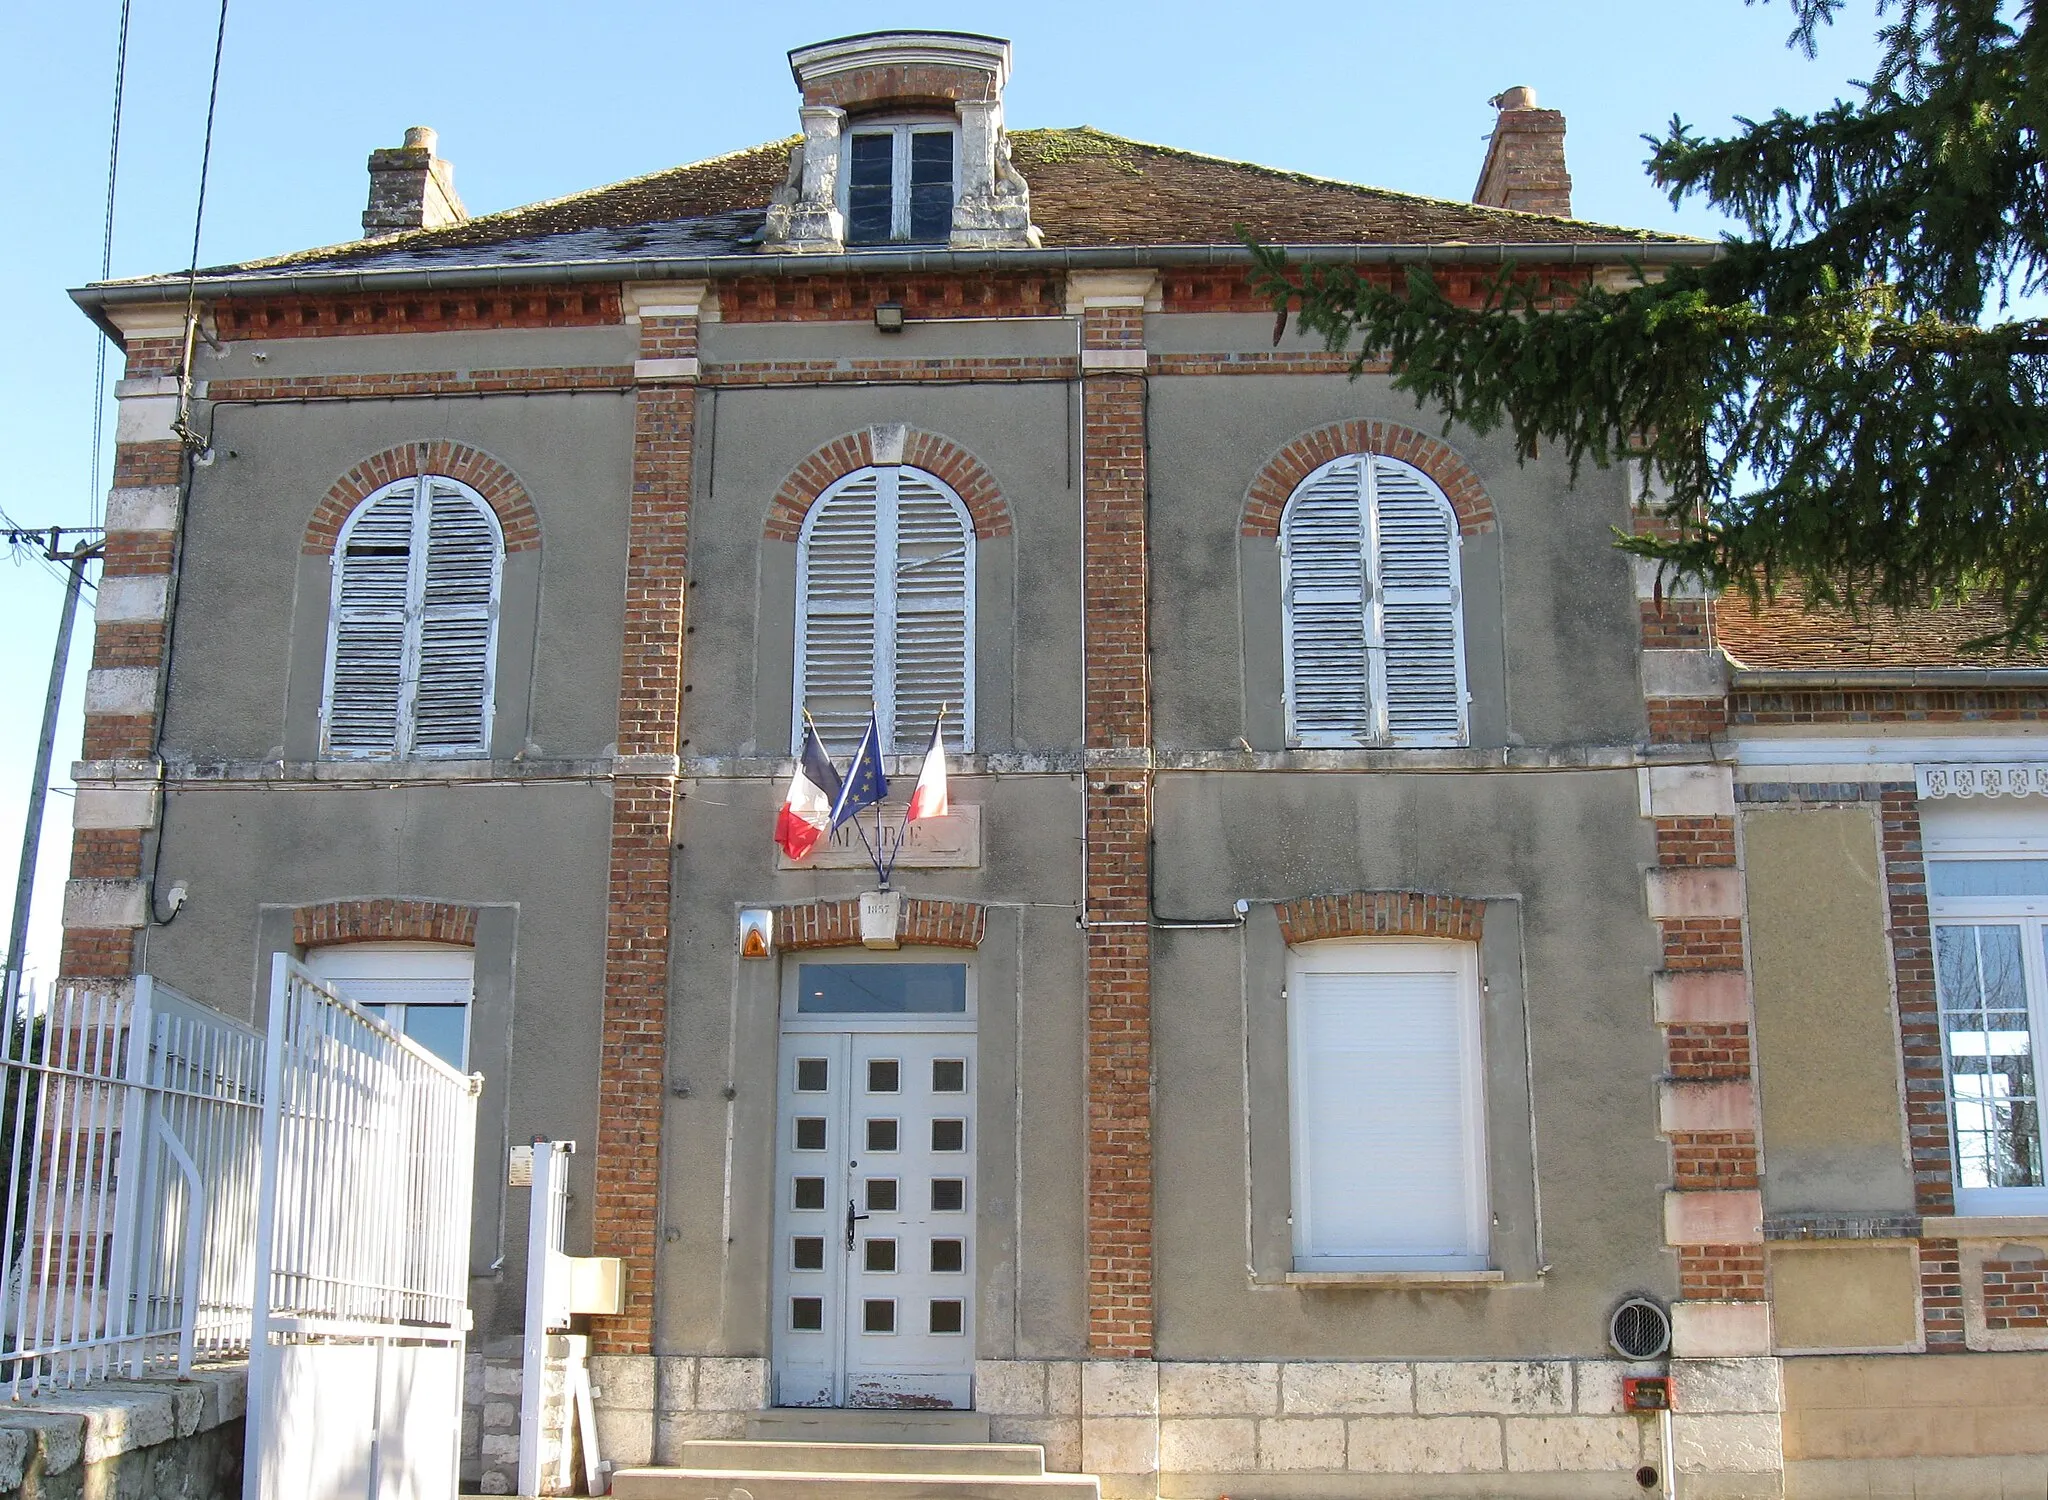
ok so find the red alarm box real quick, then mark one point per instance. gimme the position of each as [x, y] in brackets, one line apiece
[1646, 1392]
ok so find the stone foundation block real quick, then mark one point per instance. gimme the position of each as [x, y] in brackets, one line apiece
[1523, 1387]
[1302, 1443]
[1734, 1443]
[1010, 1387]
[1316, 1390]
[1060, 1437]
[1597, 1385]
[1573, 1444]
[1063, 1388]
[1218, 1390]
[1120, 1445]
[624, 1435]
[675, 1383]
[623, 1380]
[1207, 1445]
[1728, 1385]
[732, 1384]
[501, 1377]
[1424, 1445]
[1119, 1388]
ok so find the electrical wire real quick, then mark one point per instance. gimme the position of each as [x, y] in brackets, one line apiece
[99, 374]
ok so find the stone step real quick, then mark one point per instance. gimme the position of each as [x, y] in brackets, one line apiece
[786, 1484]
[865, 1458]
[824, 1424]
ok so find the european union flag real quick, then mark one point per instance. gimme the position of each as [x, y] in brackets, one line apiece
[865, 785]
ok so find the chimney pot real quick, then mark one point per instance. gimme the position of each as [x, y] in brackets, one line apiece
[411, 187]
[1524, 168]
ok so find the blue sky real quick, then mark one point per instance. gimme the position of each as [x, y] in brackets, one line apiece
[534, 99]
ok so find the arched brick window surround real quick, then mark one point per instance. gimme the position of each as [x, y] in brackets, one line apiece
[384, 919]
[499, 486]
[1356, 914]
[1268, 495]
[836, 924]
[964, 473]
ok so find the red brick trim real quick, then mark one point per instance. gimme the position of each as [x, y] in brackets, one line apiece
[1269, 493]
[975, 486]
[381, 387]
[853, 298]
[1891, 706]
[836, 924]
[940, 370]
[2016, 1290]
[1911, 934]
[499, 486]
[384, 919]
[1357, 914]
[301, 317]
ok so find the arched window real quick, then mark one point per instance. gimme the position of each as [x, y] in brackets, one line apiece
[1374, 634]
[885, 611]
[413, 628]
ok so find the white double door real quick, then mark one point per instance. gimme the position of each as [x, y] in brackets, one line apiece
[874, 1224]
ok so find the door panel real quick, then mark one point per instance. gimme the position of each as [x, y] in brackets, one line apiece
[874, 1276]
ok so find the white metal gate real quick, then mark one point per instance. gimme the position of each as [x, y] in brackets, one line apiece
[362, 1257]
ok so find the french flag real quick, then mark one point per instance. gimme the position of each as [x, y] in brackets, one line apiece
[807, 806]
[929, 799]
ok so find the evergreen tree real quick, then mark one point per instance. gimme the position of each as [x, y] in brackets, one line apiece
[1848, 399]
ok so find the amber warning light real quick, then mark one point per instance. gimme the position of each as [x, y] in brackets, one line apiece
[757, 933]
[1646, 1392]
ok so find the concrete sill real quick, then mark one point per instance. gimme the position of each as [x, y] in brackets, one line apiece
[1396, 1278]
[1989, 1227]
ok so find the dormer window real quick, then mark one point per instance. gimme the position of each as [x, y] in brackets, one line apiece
[901, 181]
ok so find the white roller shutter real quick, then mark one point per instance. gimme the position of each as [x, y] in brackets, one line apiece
[885, 579]
[413, 629]
[1388, 1124]
[1373, 627]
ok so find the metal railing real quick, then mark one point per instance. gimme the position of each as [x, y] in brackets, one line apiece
[130, 1125]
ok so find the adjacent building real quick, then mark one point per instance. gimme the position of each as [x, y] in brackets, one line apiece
[1393, 971]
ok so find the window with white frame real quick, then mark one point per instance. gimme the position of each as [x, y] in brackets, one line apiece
[413, 625]
[885, 612]
[421, 990]
[900, 181]
[1987, 892]
[1388, 1105]
[1374, 632]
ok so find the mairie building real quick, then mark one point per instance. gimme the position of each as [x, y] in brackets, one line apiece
[1403, 1000]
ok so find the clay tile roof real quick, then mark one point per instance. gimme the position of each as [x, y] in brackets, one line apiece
[1087, 188]
[1784, 635]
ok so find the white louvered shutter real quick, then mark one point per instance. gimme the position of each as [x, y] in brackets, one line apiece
[366, 648]
[934, 624]
[458, 619]
[1386, 1122]
[1419, 624]
[414, 635]
[836, 612]
[1322, 549]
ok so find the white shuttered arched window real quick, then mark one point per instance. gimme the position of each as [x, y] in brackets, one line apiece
[412, 635]
[885, 612]
[1374, 632]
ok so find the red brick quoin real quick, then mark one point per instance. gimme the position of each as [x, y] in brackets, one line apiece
[836, 924]
[499, 486]
[384, 919]
[1381, 914]
[921, 450]
[1269, 493]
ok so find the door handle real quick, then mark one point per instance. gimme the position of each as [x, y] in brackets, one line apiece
[852, 1219]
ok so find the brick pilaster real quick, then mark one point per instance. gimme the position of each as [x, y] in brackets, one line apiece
[107, 899]
[1118, 828]
[633, 1061]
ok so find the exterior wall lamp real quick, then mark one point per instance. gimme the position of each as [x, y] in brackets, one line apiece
[889, 317]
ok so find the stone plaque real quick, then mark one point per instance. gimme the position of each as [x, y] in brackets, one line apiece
[949, 843]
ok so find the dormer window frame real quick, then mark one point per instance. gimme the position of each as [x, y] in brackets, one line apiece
[901, 128]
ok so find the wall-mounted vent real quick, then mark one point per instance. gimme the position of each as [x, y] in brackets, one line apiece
[1639, 1329]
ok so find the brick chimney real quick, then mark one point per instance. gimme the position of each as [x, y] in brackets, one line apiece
[411, 188]
[1525, 158]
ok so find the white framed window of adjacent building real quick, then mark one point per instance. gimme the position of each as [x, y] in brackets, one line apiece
[413, 624]
[899, 181]
[1373, 625]
[421, 990]
[1987, 894]
[1386, 1080]
[885, 612]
